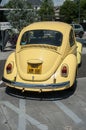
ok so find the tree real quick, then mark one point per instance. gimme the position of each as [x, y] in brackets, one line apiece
[73, 11]
[68, 11]
[46, 11]
[82, 10]
[20, 13]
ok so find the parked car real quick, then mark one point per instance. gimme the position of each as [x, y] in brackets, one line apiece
[82, 41]
[78, 30]
[4, 37]
[46, 58]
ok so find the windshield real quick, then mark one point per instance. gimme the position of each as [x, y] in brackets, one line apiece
[48, 37]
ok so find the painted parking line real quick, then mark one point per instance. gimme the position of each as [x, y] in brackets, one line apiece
[27, 117]
[22, 120]
[68, 112]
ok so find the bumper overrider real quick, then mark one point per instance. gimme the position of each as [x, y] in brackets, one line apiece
[40, 87]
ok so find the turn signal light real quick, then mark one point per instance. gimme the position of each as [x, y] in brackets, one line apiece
[64, 71]
[9, 68]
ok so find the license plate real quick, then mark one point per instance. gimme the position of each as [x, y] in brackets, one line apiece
[34, 68]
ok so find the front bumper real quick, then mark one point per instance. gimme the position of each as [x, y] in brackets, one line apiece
[37, 87]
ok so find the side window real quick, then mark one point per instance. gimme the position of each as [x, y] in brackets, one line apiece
[71, 38]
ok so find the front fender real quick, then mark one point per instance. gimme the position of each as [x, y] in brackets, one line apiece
[10, 59]
[79, 51]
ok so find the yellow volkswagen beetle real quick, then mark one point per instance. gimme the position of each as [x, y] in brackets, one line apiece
[46, 58]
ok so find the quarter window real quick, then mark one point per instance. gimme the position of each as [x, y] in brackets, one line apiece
[71, 38]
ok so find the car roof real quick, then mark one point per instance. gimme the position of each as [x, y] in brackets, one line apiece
[50, 25]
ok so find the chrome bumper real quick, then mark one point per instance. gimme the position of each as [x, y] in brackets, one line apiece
[37, 86]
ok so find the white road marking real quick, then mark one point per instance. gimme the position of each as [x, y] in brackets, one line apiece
[27, 117]
[22, 122]
[36, 123]
[68, 128]
[68, 112]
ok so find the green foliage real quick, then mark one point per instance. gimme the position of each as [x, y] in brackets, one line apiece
[83, 10]
[68, 11]
[21, 13]
[46, 11]
[83, 4]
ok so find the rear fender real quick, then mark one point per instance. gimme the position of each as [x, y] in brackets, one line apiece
[71, 62]
[10, 59]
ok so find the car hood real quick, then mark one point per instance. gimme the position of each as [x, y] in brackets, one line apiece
[37, 63]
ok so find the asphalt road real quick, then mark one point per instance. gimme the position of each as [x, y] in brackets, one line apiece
[82, 68]
[65, 110]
